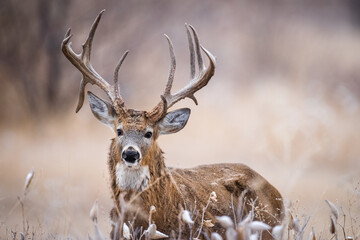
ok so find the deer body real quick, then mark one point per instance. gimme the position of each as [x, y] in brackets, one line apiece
[139, 176]
[170, 190]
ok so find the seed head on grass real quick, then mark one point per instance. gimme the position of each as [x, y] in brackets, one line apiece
[277, 232]
[225, 221]
[333, 208]
[231, 234]
[94, 211]
[259, 226]
[312, 235]
[213, 196]
[216, 236]
[254, 236]
[185, 216]
[152, 233]
[29, 178]
[126, 231]
[152, 209]
[295, 224]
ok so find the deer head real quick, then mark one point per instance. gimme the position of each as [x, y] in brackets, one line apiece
[137, 131]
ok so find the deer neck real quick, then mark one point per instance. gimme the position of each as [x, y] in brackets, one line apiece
[160, 183]
[155, 162]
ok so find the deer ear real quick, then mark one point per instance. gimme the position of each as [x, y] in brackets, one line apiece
[174, 121]
[102, 110]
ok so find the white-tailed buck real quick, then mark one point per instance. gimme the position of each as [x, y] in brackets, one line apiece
[136, 162]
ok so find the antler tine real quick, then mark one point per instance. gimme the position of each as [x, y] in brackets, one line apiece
[81, 95]
[116, 84]
[197, 47]
[167, 91]
[196, 83]
[82, 63]
[192, 52]
[85, 55]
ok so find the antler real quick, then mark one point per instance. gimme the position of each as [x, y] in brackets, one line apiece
[196, 83]
[82, 63]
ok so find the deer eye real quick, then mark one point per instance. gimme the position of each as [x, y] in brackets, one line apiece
[120, 132]
[148, 135]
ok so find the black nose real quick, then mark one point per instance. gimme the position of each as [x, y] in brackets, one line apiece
[130, 155]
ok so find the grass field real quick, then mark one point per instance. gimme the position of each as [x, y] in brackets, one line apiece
[285, 100]
[307, 156]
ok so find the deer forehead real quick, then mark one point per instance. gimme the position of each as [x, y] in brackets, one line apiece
[134, 121]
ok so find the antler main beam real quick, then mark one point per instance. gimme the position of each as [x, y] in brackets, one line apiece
[197, 81]
[82, 63]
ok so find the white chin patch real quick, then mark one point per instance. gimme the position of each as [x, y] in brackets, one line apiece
[132, 176]
[130, 165]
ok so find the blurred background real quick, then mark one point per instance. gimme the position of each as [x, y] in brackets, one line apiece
[285, 100]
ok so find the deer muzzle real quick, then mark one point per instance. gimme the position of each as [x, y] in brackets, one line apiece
[131, 156]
